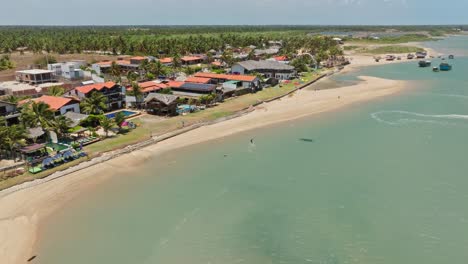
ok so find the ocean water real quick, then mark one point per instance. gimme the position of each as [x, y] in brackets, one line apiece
[378, 182]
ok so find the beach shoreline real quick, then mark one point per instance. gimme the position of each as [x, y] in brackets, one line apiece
[22, 212]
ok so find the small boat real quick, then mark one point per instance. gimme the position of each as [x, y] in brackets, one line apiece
[398, 58]
[444, 66]
[435, 69]
[421, 54]
[390, 58]
[424, 63]
[410, 56]
[451, 57]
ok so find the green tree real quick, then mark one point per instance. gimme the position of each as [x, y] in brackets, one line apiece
[56, 91]
[115, 71]
[61, 125]
[95, 104]
[119, 120]
[137, 92]
[34, 114]
[6, 63]
[107, 124]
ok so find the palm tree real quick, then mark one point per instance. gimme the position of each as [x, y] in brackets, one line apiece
[106, 124]
[137, 92]
[34, 114]
[115, 71]
[95, 104]
[11, 137]
[119, 120]
[12, 99]
[56, 91]
[60, 125]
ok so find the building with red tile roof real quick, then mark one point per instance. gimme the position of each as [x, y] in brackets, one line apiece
[228, 77]
[245, 81]
[112, 91]
[60, 105]
[198, 80]
[166, 61]
[190, 60]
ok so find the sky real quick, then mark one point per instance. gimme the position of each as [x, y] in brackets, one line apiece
[232, 12]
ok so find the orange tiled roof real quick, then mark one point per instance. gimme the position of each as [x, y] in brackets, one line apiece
[230, 77]
[216, 63]
[166, 60]
[150, 86]
[190, 58]
[281, 58]
[138, 58]
[97, 86]
[198, 80]
[54, 102]
[175, 84]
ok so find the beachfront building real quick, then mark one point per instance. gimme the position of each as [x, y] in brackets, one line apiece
[243, 81]
[60, 105]
[193, 89]
[112, 91]
[270, 69]
[126, 65]
[9, 112]
[35, 76]
[146, 89]
[191, 60]
[166, 61]
[16, 88]
[69, 70]
[161, 104]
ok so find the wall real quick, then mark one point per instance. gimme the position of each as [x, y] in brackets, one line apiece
[238, 69]
[73, 108]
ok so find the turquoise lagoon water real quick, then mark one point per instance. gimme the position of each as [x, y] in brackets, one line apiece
[380, 182]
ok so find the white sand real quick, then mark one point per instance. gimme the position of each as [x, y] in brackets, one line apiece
[22, 211]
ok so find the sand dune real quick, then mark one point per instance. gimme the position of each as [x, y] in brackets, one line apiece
[22, 211]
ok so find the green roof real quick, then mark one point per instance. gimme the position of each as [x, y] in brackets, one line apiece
[232, 82]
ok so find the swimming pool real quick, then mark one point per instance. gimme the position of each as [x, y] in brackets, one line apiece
[127, 113]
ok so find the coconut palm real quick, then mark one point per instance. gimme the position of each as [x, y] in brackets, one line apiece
[34, 114]
[11, 137]
[115, 71]
[60, 125]
[119, 120]
[106, 124]
[95, 104]
[56, 91]
[137, 92]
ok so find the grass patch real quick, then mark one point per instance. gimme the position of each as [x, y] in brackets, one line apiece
[352, 47]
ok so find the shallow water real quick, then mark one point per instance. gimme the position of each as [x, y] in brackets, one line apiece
[381, 182]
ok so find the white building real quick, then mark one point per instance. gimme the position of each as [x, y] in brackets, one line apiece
[69, 70]
[61, 105]
[270, 69]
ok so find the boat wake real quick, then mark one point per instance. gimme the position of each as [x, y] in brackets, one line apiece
[395, 118]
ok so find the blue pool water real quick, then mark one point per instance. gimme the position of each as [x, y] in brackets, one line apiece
[125, 112]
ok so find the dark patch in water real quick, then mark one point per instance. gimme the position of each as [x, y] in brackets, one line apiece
[32, 258]
[308, 140]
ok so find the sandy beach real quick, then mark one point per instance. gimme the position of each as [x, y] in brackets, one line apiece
[21, 212]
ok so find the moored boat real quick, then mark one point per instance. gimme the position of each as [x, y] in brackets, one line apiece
[435, 69]
[424, 63]
[451, 57]
[421, 54]
[410, 56]
[444, 66]
[390, 58]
